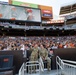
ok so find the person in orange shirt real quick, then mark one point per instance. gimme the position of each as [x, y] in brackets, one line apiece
[60, 46]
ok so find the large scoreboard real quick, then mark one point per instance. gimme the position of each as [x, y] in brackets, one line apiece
[14, 12]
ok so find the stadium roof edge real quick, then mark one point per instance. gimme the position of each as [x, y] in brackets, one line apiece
[67, 4]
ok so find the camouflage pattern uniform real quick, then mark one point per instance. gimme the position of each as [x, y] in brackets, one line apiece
[34, 54]
[44, 55]
[34, 57]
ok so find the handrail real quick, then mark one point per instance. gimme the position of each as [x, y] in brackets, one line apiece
[70, 65]
[41, 64]
[21, 71]
[59, 62]
[65, 67]
[29, 65]
[32, 62]
[68, 61]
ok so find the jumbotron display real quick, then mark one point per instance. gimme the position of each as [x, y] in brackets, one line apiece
[20, 13]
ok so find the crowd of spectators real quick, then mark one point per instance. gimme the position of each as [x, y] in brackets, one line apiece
[25, 43]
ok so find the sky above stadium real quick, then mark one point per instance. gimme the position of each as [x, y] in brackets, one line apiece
[56, 4]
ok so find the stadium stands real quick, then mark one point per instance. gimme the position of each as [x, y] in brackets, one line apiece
[68, 9]
[69, 13]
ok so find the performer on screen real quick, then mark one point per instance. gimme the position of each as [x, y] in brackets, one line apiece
[13, 13]
[1, 15]
[30, 15]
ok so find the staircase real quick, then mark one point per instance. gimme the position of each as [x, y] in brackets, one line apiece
[65, 67]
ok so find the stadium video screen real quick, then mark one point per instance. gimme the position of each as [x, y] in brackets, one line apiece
[19, 13]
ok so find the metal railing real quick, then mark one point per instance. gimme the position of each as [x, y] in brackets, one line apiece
[65, 67]
[21, 70]
[32, 65]
[29, 66]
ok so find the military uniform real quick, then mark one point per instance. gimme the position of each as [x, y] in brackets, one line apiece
[34, 57]
[34, 54]
[44, 55]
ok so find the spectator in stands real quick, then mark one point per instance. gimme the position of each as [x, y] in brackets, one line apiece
[9, 43]
[0, 48]
[44, 55]
[34, 55]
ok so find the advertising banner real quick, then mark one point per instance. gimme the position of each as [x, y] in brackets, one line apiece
[46, 11]
[24, 4]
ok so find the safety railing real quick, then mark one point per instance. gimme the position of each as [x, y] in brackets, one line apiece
[32, 65]
[65, 67]
[29, 67]
[21, 70]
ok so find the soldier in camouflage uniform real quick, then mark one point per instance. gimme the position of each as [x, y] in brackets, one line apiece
[34, 55]
[44, 55]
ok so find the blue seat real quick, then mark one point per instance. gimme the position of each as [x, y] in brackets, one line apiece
[6, 62]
